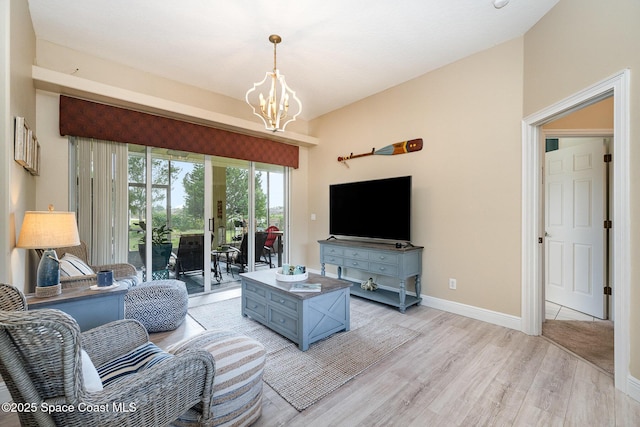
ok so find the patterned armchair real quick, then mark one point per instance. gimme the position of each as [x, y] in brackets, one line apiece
[44, 369]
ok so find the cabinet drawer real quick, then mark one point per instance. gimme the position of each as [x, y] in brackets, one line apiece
[285, 324]
[386, 269]
[333, 250]
[255, 308]
[355, 263]
[283, 301]
[332, 259]
[255, 291]
[356, 254]
[384, 258]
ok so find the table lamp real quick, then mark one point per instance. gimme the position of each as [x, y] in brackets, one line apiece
[48, 230]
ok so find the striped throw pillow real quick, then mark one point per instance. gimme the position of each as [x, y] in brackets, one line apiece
[137, 360]
[71, 265]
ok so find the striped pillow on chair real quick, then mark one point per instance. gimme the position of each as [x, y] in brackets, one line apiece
[136, 360]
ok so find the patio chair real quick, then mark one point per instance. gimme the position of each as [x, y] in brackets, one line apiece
[190, 256]
[44, 366]
[268, 244]
[240, 257]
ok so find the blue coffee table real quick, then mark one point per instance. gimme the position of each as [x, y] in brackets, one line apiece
[302, 317]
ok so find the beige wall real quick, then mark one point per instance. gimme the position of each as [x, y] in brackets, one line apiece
[596, 116]
[53, 181]
[466, 180]
[6, 150]
[577, 44]
[18, 194]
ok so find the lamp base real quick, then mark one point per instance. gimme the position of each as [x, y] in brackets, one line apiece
[48, 291]
[48, 269]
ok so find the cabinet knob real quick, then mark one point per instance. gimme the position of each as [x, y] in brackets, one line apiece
[281, 301]
[382, 269]
[255, 306]
[281, 320]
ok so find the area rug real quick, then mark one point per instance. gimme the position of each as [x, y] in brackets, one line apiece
[593, 341]
[303, 378]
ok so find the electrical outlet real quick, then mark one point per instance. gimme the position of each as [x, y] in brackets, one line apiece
[453, 283]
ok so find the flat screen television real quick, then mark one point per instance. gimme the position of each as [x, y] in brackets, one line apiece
[375, 209]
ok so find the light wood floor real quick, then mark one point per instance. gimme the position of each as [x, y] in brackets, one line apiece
[459, 372]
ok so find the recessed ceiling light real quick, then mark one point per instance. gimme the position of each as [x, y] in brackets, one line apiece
[499, 4]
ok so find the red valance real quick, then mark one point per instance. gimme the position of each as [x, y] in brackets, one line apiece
[93, 120]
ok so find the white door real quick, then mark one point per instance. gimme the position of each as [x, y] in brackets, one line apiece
[574, 223]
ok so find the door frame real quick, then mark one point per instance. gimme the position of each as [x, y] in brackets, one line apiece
[617, 85]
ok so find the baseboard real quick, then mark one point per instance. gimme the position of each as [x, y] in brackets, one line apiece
[494, 317]
[5, 396]
[633, 388]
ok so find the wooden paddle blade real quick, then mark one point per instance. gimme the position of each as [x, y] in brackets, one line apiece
[401, 147]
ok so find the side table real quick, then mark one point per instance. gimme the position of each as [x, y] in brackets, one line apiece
[89, 308]
[215, 257]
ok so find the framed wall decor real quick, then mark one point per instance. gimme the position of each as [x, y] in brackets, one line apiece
[20, 141]
[26, 147]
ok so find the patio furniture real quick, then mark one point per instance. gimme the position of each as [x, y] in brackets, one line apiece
[272, 235]
[240, 257]
[190, 255]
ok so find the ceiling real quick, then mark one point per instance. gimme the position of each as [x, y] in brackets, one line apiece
[333, 52]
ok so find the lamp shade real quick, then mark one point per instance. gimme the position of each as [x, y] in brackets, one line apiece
[48, 229]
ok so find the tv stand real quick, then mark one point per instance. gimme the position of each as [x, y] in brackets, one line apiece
[383, 259]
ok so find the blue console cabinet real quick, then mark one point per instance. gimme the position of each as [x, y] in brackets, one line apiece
[377, 259]
[89, 308]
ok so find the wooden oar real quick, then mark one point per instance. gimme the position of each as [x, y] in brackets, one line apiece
[390, 150]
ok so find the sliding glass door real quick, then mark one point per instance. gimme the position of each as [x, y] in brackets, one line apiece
[175, 233]
[270, 209]
[198, 222]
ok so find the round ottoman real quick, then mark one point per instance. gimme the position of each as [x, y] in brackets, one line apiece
[160, 305]
[237, 385]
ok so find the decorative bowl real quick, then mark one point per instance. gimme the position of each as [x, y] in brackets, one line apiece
[291, 277]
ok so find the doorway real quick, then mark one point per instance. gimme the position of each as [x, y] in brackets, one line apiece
[576, 257]
[575, 222]
[617, 86]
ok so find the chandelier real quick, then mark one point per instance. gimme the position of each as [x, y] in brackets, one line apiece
[281, 105]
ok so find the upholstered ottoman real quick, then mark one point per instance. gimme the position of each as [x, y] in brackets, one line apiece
[237, 385]
[160, 305]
